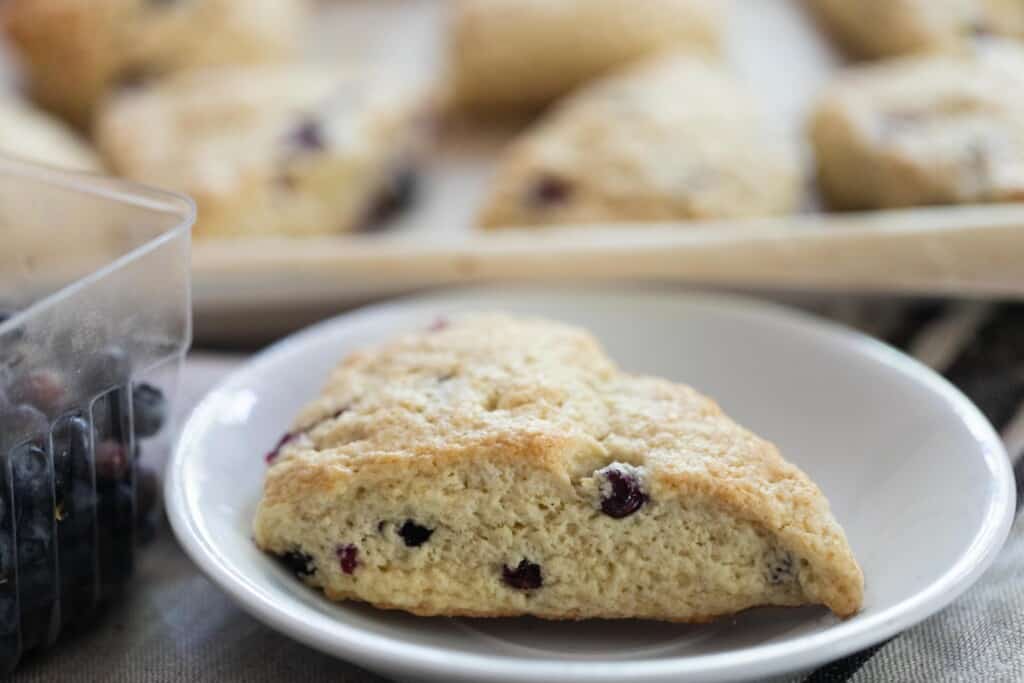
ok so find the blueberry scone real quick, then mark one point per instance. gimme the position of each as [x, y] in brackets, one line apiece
[670, 138]
[880, 28]
[74, 50]
[497, 466]
[924, 130]
[520, 54]
[34, 135]
[271, 149]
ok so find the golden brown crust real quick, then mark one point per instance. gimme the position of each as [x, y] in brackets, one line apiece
[511, 55]
[496, 429]
[75, 50]
[669, 138]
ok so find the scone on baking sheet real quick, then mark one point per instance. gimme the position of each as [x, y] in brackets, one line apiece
[924, 130]
[74, 50]
[520, 54]
[881, 28]
[500, 466]
[272, 149]
[670, 138]
[34, 135]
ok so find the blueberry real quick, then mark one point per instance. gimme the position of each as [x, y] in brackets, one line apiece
[348, 557]
[298, 563]
[779, 567]
[398, 195]
[526, 575]
[621, 491]
[333, 416]
[5, 315]
[22, 422]
[413, 534]
[71, 441]
[308, 135]
[272, 455]
[112, 460]
[107, 369]
[548, 190]
[45, 389]
[149, 406]
[146, 488]
[30, 469]
[440, 323]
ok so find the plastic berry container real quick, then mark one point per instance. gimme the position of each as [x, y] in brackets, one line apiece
[95, 320]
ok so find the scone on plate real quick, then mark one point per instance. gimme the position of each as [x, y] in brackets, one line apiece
[521, 54]
[34, 135]
[924, 130]
[499, 466]
[74, 50]
[272, 149]
[882, 28]
[670, 138]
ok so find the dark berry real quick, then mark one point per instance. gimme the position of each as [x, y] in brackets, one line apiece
[134, 76]
[149, 407]
[112, 460]
[109, 368]
[146, 487]
[22, 422]
[5, 315]
[308, 136]
[979, 28]
[526, 576]
[272, 455]
[45, 389]
[413, 534]
[71, 441]
[549, 190]
[348, 557]
[30, 467]
[298, 563]
[780, 567]
[333, 416]
[621, 490]
[399, 193]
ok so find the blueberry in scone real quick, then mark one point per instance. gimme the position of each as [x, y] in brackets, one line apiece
[882, 28]
[75, 50]
[924, 130]
[273, 149]
[35, 135]
[670, 138]
[500, 466]
[516, 55]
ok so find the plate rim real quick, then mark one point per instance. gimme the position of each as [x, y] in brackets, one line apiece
[341, 639]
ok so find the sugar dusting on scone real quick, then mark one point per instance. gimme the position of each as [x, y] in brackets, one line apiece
[271, 149]
[924, 130]
[500, 466]
[74, 51]
[670, 138]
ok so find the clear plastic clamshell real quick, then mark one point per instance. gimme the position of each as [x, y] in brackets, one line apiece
[95, 320]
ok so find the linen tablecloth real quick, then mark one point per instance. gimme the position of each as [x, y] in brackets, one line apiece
[175, 625]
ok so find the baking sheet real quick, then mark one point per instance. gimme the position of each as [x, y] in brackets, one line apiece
[773, 45]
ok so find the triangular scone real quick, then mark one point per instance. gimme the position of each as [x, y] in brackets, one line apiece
[669, 138]
[497, 466]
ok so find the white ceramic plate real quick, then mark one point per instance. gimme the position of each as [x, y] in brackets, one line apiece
[915, 474]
